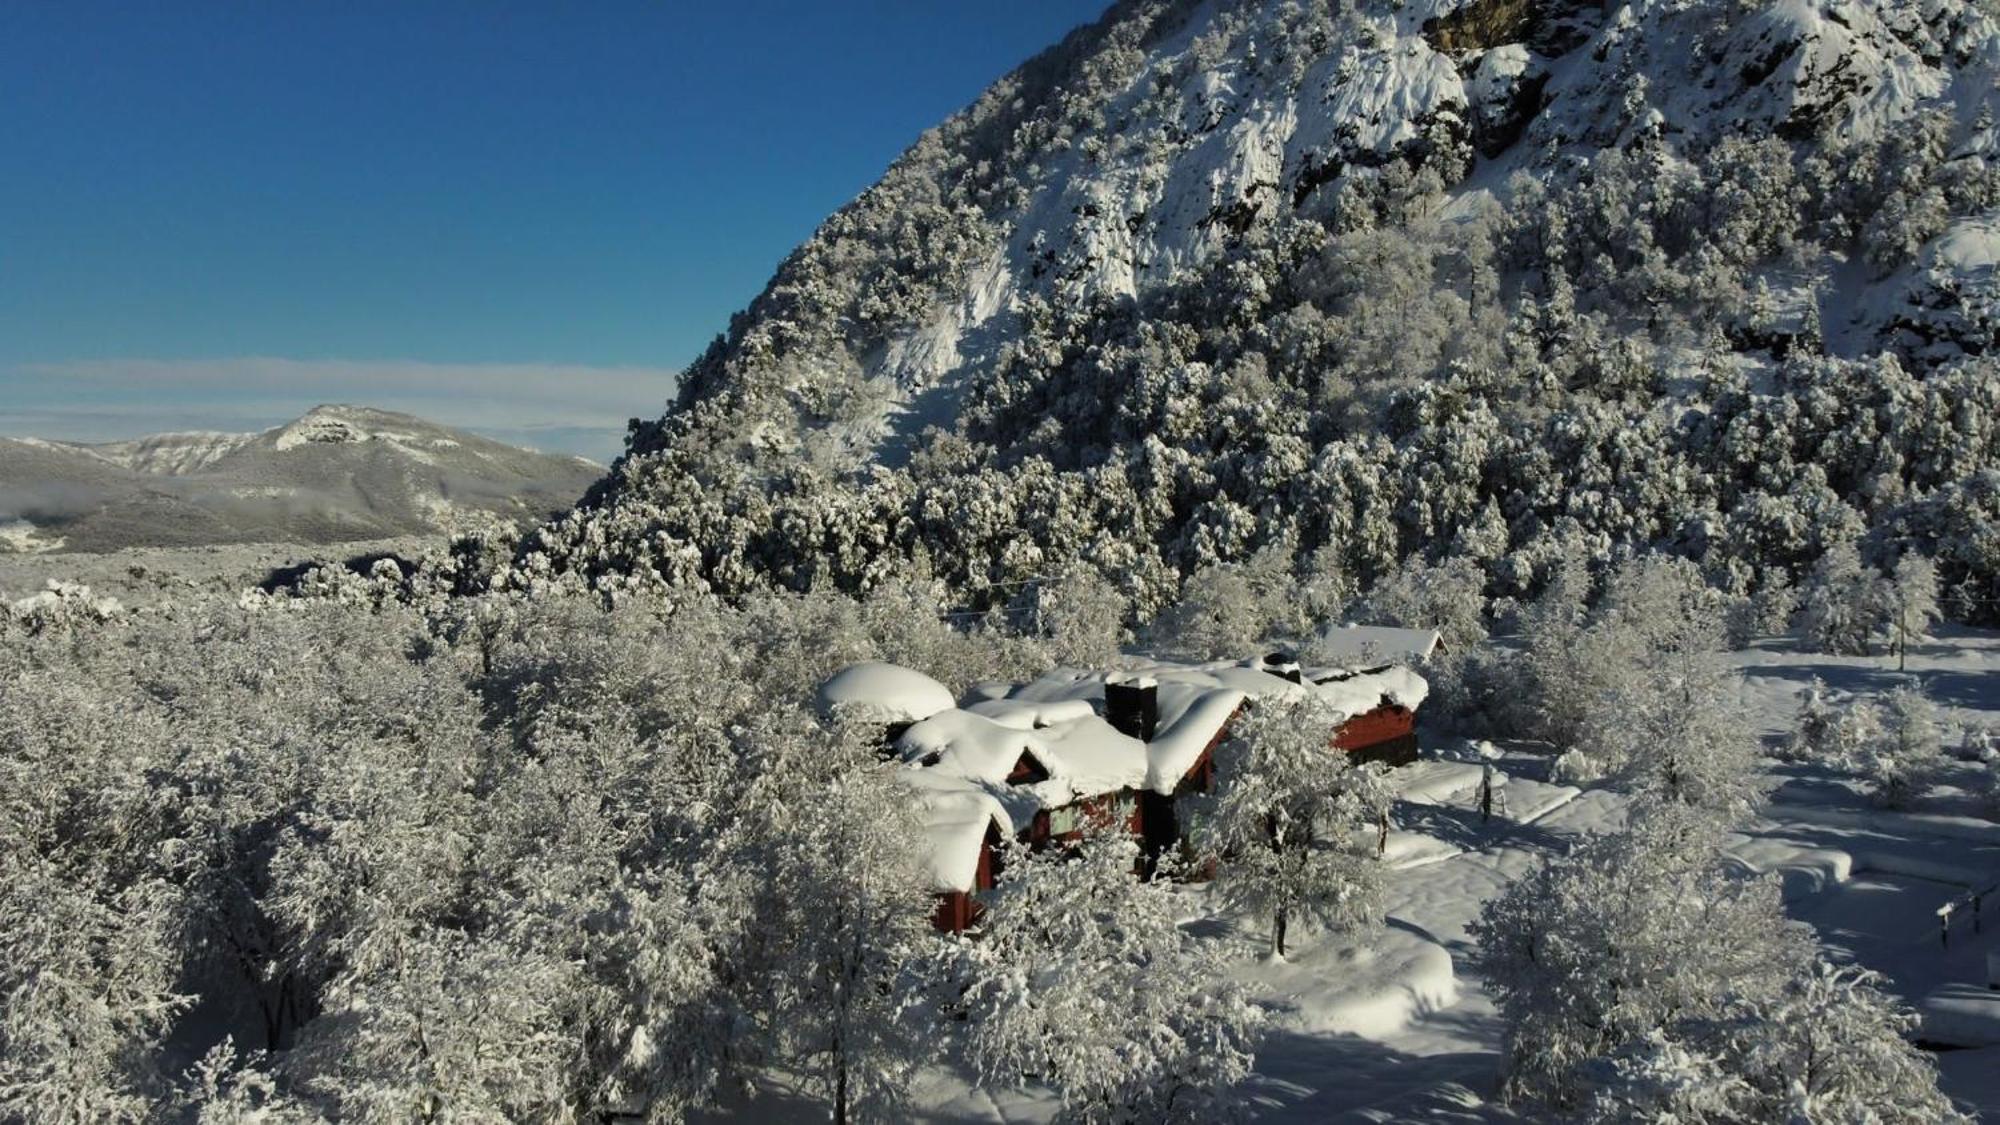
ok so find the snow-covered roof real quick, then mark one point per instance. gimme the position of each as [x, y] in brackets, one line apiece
[896, 693]
[955, 822]
[957, 760]
[1359, 644]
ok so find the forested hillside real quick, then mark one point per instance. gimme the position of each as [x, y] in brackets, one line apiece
[1335, 285]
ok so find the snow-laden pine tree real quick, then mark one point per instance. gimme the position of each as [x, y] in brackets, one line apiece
[1842, 603]
[1641, 978]
[1903, 762]
[1081, 979]
[1291, 828]
[1910, 604]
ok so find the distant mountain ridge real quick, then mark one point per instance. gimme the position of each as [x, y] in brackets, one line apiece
[337, 474]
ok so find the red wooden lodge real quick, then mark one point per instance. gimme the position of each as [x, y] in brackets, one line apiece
[1043, 761]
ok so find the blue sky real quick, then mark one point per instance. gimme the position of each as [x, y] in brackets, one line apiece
[517, 217]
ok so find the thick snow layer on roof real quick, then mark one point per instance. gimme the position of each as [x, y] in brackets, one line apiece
[958, 760]
[1178, 746]
[955, 820]
[1024, 714]
[1358, 693]
[1360, 645]
[900, 695]
[1196, 701]
[1096, 758]
[969, 745]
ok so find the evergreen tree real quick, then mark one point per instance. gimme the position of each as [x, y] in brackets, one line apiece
[1911, 604]
[1842, 604]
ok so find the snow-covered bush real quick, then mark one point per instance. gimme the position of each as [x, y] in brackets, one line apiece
[1903, 761]
[1639, 977]
[59, 606]
[1081, 979]
[1291, 827]
[1978, 744]
[1813, 730]
[1449, 597]
[1574, 767]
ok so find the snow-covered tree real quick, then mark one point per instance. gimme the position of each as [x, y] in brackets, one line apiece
[1449, 597]
[88, 971]
[1904, 761]
[1842, 603]
[1910, 604]
[1220, 614]
[1675, 729]
[1290, 828]
[1082, 979]
[1607, 946]
[1834, 1045]
[1640, 978]
[1766, 612]
[840, 909]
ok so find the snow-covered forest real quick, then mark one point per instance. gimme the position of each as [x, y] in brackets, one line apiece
[540, 859]
[1645, 350]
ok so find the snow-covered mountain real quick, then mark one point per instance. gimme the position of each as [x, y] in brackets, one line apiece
[1188, 285]
[338, 474]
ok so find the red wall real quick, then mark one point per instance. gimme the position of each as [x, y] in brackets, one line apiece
[1380, 725]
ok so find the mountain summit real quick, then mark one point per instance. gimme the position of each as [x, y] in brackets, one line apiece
[1508, 280]
[337, 474]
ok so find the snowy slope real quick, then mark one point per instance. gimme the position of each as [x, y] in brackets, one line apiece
[1182, 262]
[1239, 115]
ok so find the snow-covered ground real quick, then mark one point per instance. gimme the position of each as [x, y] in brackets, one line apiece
[1395, 1028]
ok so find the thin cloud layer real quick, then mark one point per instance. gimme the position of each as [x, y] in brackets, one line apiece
[557, 407]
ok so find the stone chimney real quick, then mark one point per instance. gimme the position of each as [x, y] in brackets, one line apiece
[1132, 705]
